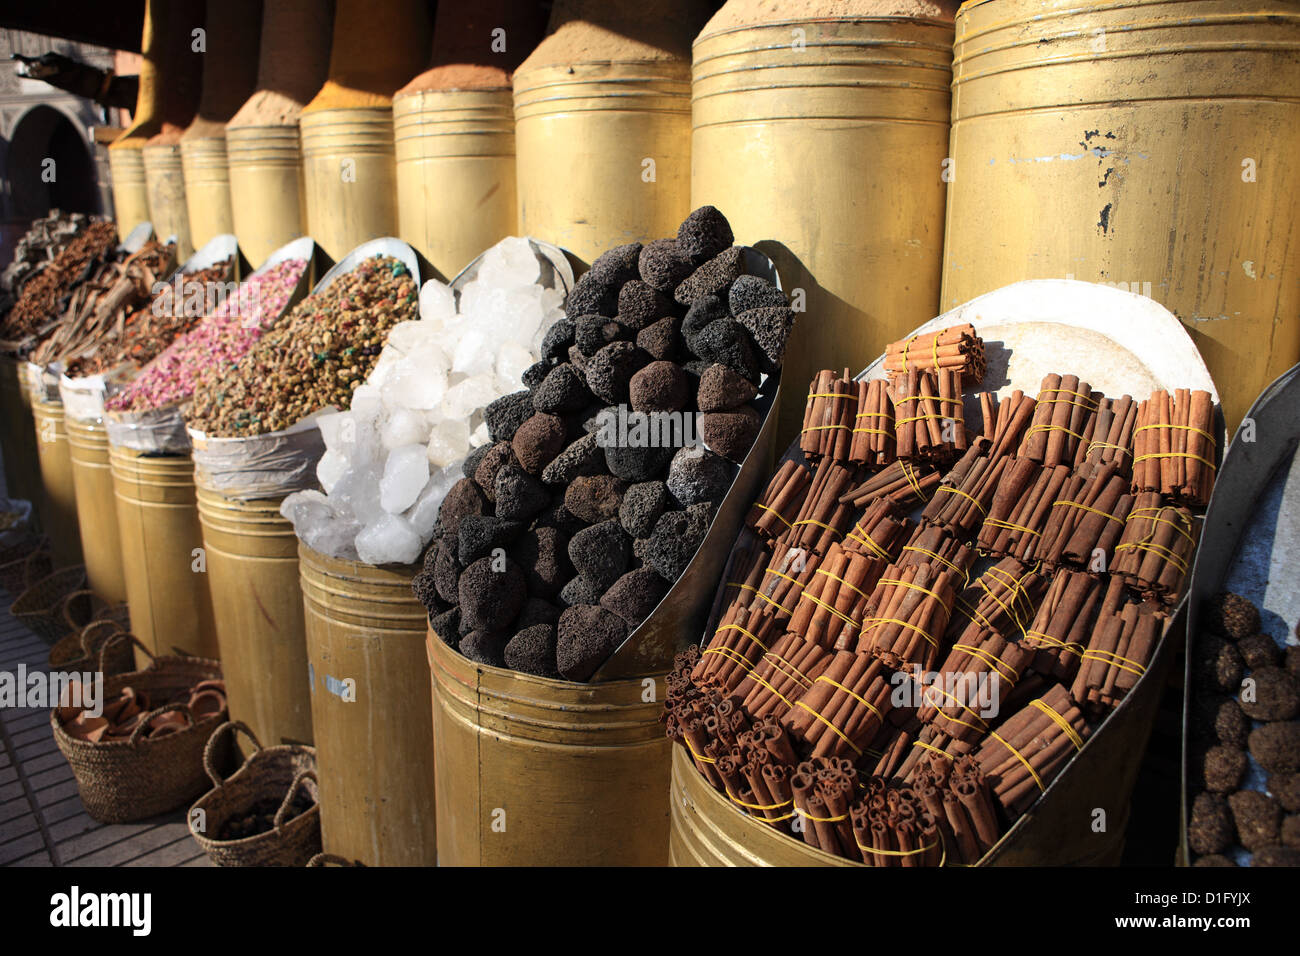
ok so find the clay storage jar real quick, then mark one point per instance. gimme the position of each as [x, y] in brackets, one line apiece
[169, 90]
[229, 76]
[825, 123]
[347, 129]
[602, 113]
[1135, 107]
[454, 127]
[262, 150]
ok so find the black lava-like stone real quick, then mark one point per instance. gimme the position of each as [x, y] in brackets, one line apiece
[1210, 829]
[577, 359]
[704, 233]
[471, 462]
[1259, 650]
[1276, 695]
[586, 637]
[595, 498]
[426, 592]
[697, 474]
[588, 419]
[639, 304]
[676, 538]
[1225, 722]
[1213, 859]
[618, 265]
[642, 505]
[1223, 768]
[731, 434]
[727, 343]
[633, 596]
[754, 292]
[543, 554]
[1219, 664]
[479, 534]
[1291, 661]
[446, 570]
[591, 294]
[583, 457]
[601, 553]
[506, 414]
[770, 331]
[563, 390]
[537, 611]
[1276, 746]
[1257, 817]
[558, 338]
[1275, 856]
[594, 332]
[659, 387]
[637, 464]
[491, 594]
[662, 339]
[520, 496]
[447, 626]
[464, 498]
[532, 651]
[721, 389]
[610, 370]
[579, 591]
[485, 475]
[712, 278]
[555, 515]
[484, 647]
[536, 373]
[702, 313]
[538, 440]
[1231, 615]
[1285, 788]
[664, 266]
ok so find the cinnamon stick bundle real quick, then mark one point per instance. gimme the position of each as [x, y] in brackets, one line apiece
[980, 669]
[844, 709]
[1111, 436]
[880, 532]
[930, 423]
[1155, 552]
[912, 605]
[962, 500]
[829, 416]
[1002, 601]
[781, 675]
[834, 601]
[783, 580]
[956, 348]
[744, 572]
[773, 514]
[1063, 625]
[957, 794]
[1020, 757]
[1061, 420]
[824, 517]
[1118, 652]
[874, 440]
[1086, 520]
[932, 543]
[1005, 420]
[1174, 450]
[742, 637]
[902, 482]
[822, 790]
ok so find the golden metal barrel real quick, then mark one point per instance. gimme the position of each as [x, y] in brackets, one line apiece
[162, 553]
[537, 772]
[130, 197]
[21, 466]
[59, 518]
[369, 701]
[349, 176]
[266, 188]
[165, 182]
[207, 188]
[252, 559]
[831, 148]
[1153, 144]
[101, 544]
[603, 152]
[455, 173]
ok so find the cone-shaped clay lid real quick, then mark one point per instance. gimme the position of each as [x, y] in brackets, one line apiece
[294, 62]
[478, 43]
[747, 13]
[377, 48]
[232, 30]
[598, 31]
[171, 74]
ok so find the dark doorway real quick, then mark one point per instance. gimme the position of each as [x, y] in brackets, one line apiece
[49, 166]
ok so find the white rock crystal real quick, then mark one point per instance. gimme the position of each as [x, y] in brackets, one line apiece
[391, 458]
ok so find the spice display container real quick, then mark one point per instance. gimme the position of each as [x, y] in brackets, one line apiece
[101, 543]
[165, 184]
[59, 516]
[130, 195]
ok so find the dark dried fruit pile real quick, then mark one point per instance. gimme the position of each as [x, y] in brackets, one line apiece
[570, 527]
[260, 817]
[1245, 720]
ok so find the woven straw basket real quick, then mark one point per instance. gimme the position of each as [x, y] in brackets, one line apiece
[101, 645]
[23, 565]
[269, 772]
[134, 779]
[40, 607]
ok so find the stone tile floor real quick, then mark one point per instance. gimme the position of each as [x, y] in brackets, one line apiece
[42, 820]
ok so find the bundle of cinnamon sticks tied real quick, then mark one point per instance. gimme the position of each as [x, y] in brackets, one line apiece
[916, 632]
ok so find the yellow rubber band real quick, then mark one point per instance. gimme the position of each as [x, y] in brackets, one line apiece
[860, 536]
[938, 557]
[1115, 660]
[958, 491]
[992, 660]
[833, 395]
[758, 806]
[789, 670]
[820, 524]
[1088, 400]
[1053, 428]
[1060, 721]
[737, 627]
[910, 475]
[915, 587]
[731, 655]
[861, 700]
[1100, 514]
[999, 523]
[876, 621]
[779, 516]
[782, 574]
[1067, 647]
[809, 816]
[873, 431]
[701, 759]
[822, 604]
[763, 683]
[1178, 454]
[922, 849]
[835, 577]
[1163, 552]
[780, 607]
[1122, 449]
[839, 733]
[873, 415]
[742, 585]
[1143, 514]
[1021, 757]
[822, 428]
[1190, 428]
[931, 748]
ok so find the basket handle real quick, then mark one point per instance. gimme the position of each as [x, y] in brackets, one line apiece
[67, 601]
[210, 748]
[116, 639]
[134, 739]
[288, 797]
[325, 859]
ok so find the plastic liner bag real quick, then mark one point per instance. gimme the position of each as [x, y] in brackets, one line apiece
[154, 431]
[83, 398]
[262, 466]
[44, 382]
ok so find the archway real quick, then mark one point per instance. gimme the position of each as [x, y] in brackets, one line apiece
[49, 166]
